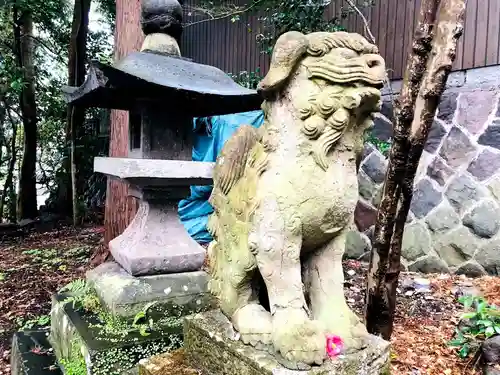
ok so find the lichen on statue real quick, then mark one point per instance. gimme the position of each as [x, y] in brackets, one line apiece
[284, 197]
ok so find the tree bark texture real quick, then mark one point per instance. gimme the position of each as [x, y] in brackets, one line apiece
[120, 207]
[377, 311]
[75, 115]
[424, 83]
[449, 29]
[27, 199]
[8, 188]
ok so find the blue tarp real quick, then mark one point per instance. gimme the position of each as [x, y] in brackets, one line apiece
[210, 135]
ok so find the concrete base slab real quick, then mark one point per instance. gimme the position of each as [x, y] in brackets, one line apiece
[211, 346]
[177, 294]
[96, 343]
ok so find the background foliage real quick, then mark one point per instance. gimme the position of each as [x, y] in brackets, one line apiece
[52, 32]
[51, 37]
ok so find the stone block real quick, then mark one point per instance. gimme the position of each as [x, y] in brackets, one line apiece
[377, 197]
[494, 187]
[484, 219]
[474, 108]
[96, 343]
[416, 241]
[439, 171]
[456, 246]
[394, 89]
[487, 256]
[491, 136]
[365, 215]
[357, 245]
[485, 166]
[375, 167]
[368, 148]
[489, 76]
[447, 107]
[382, 128]
[424, 162]
[211, 346]
[174, 363]
[436, 134]
[174, 294]
[156, 242]
[457, 148]
[443, 218]
[365, 185]
[387, 110]
[31, 353]
[429, 264]
[456, 79]
[471, 269]
[425, 198]
[463, 192]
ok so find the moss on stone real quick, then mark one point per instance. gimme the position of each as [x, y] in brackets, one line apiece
[169, 363]
[74, 363]
[85, 336]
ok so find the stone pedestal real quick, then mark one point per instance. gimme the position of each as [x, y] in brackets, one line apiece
[212, 346]
[176, 294]
[156, 242]
[84, 343]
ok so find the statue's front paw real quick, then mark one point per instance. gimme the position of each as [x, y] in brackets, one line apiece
[254, 324]
[298, 339]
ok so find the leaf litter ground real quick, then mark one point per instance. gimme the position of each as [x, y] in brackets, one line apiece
[35, 267]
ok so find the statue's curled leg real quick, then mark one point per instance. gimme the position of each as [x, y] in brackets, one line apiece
[232, 283]
[324, 276]
[276, 242]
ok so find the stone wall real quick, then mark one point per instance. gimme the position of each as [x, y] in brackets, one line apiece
[455, 213]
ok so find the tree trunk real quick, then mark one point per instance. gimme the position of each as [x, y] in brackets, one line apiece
[75, 115]
[449, 29]
[377, 302]
[23, 32]
[8, 188]
[120, 208]
[414, 113]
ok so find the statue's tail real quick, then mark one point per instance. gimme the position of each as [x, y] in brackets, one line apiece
[233, 198]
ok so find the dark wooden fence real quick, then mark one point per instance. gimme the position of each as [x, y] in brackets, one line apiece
[232, 47]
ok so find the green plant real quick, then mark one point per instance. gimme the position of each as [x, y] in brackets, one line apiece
[304, 16]
[81, 295]
[250, 80]
[142, 321]
[75, 363]
[38, 322]
[383, 146]
[78, 286]
[481, 321]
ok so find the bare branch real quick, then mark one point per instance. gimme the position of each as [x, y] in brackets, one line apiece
[365, 21]
[56, 55]
[226, 15]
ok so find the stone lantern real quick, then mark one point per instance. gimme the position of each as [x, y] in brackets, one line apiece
[156, 263]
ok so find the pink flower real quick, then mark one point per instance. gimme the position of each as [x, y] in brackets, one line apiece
[334, 345]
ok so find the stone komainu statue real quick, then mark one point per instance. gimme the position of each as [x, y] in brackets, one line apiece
[284, 197]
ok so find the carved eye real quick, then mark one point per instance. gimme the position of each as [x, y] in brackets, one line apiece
[347, 53]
